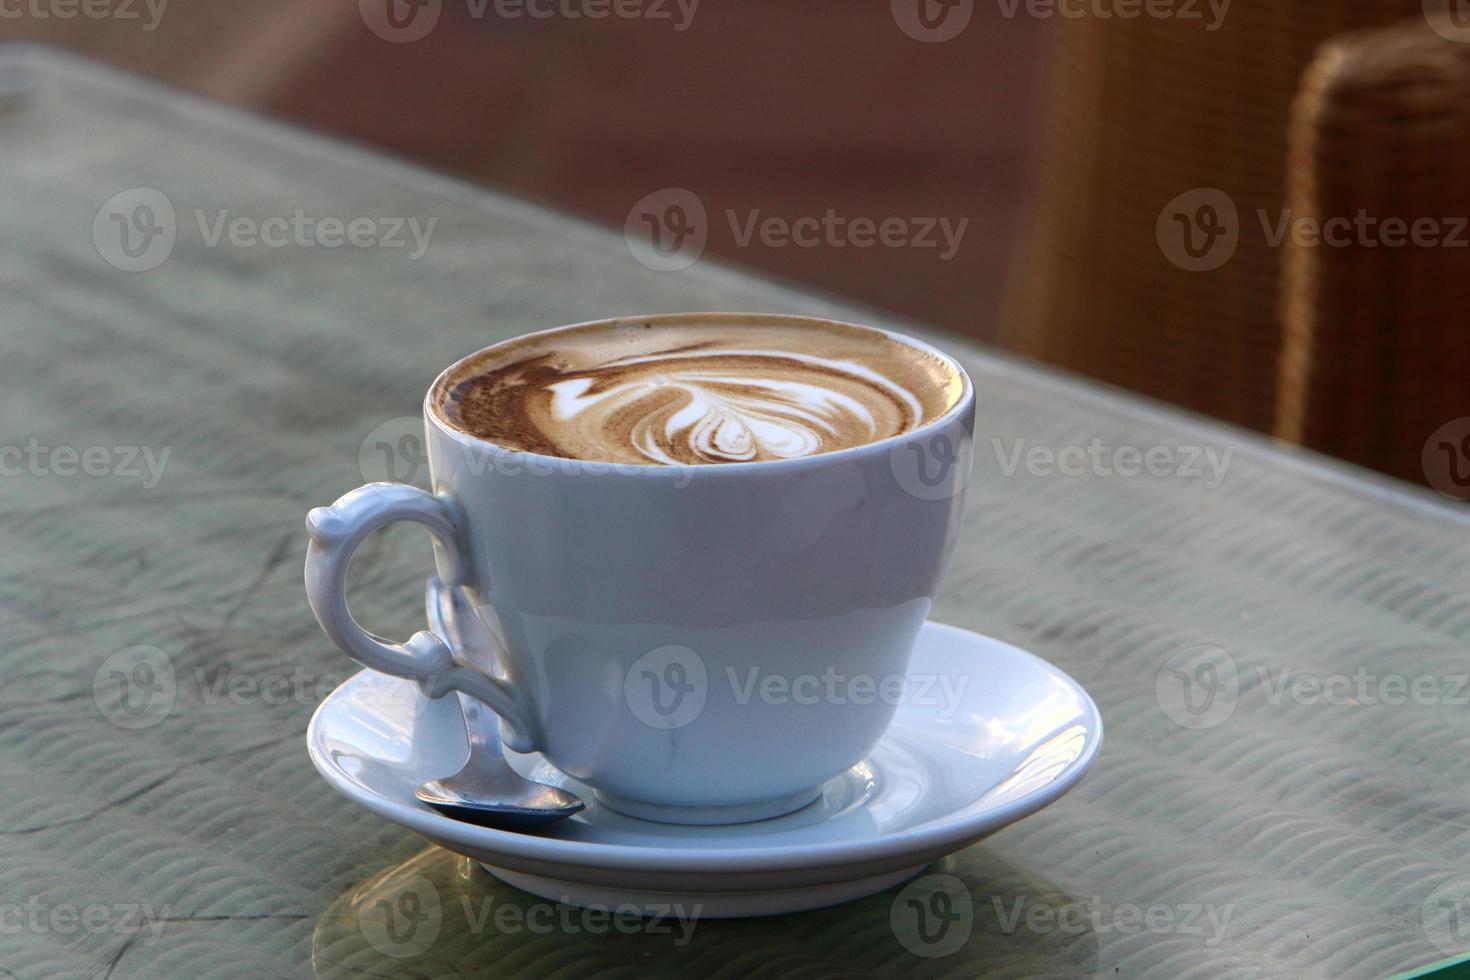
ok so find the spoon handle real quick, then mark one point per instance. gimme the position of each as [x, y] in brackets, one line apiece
[481, 726]
[454, 618]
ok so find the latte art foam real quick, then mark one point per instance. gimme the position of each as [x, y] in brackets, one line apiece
[683, 390]
[735, 406]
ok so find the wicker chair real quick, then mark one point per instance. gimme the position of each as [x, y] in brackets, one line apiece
[1376, 348]
[1306, 342]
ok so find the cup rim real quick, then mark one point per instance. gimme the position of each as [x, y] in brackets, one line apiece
[469, 440]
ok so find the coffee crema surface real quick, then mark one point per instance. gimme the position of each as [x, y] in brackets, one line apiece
[697, 389]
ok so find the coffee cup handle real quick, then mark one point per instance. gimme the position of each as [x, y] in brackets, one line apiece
[336, 532]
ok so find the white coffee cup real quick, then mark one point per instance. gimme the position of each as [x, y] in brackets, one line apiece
[699, 644]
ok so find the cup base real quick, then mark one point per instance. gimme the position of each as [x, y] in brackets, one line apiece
[707, 815]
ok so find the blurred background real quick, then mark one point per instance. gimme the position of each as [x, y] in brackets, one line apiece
[1252, 211]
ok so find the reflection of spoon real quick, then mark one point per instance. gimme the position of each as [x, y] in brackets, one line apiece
[486, 791]
[401, 921]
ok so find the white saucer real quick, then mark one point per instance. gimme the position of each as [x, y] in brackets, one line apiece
[950, 771]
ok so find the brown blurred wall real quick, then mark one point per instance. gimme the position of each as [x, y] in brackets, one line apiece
[767, 109]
